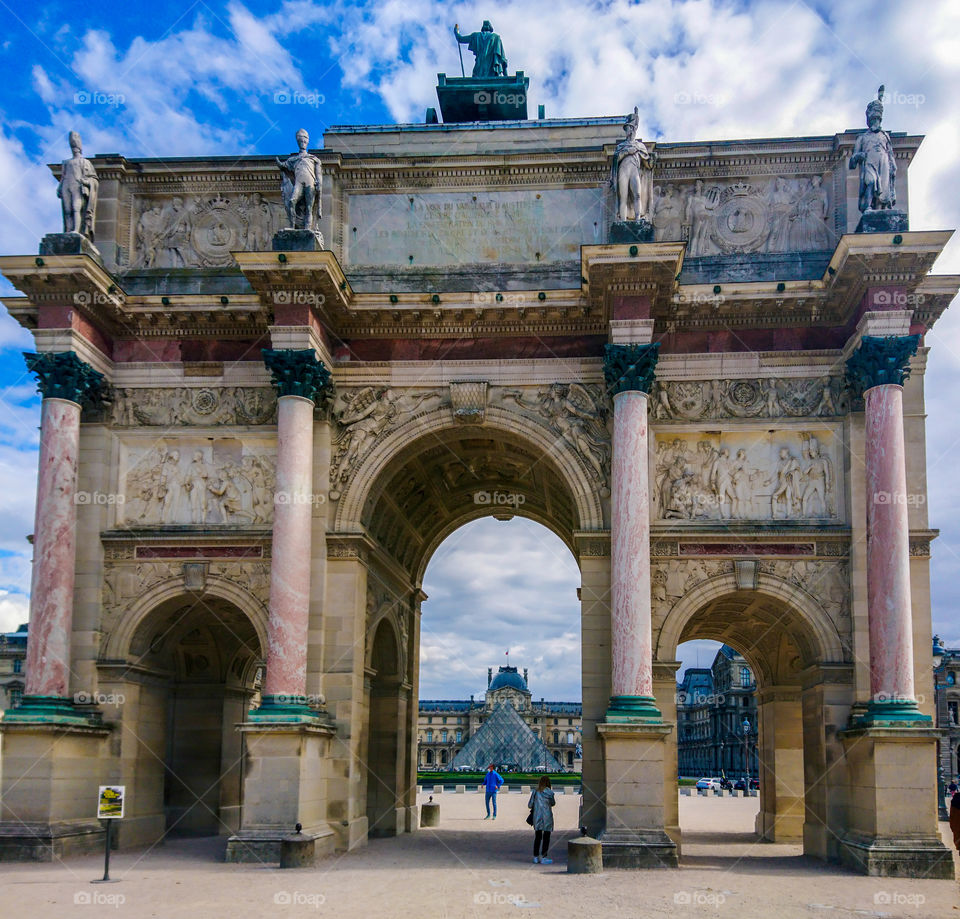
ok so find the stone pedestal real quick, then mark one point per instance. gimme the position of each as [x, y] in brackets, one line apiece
[631, 231]
[892, 812]
[69, 244]
[284, 783]
[290, 240]
[482, 98]
[48, 790]
[635, 758]
[584, 856]
[430, 814]
[888, 221]
[298, 851]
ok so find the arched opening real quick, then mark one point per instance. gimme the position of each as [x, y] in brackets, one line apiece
[500, 631]
[421, 509]
[194, 668]
[383, 759]
[758, 711]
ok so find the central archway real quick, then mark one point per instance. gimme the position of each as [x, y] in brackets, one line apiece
[418, 489]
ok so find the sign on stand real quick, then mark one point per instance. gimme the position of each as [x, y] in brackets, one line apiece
[109, 807]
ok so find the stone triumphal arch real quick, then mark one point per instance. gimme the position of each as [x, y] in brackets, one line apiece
[254, 436]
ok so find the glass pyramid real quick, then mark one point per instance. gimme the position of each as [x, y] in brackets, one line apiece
[505, 740]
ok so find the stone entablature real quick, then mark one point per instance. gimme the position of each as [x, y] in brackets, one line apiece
[733, 197]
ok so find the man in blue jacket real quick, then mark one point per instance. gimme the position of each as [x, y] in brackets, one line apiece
[492, 780]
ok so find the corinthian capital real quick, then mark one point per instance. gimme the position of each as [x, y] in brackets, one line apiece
[62, 375]
[297, 373]
[881, 360]
[630, 367]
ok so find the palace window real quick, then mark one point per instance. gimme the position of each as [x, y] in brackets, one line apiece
[18, 665]
[569, 736]
[443, 757]
[430, 735]
[556, 737]
[459, 736]
[569, 757]
[429, 757]
[745, 676]
[443, 736]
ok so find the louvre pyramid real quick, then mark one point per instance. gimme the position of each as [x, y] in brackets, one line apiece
[502, 739]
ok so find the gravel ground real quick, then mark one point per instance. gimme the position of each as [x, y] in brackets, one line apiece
[479, 868]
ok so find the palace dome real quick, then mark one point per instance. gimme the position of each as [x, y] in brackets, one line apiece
[508, 677]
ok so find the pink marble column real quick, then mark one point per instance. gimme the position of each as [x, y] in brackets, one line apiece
[632, 647]
[54, 551]
[286, 679]
[888, 548]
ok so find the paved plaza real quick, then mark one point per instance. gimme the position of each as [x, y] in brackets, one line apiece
[477, 868]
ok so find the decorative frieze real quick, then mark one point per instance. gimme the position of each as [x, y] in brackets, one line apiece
[181, 405]
[694, 400]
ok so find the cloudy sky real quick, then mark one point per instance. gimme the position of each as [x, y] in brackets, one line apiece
[179, 78]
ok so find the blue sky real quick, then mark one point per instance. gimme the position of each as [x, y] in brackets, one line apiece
[179, 78]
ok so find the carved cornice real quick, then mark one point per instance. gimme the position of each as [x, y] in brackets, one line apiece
[630, 367]
[880, 361]
[297, 372]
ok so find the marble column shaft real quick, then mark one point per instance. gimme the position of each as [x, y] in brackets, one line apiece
[290, 564]
[888, 547]
[632, 649]
[54, 551]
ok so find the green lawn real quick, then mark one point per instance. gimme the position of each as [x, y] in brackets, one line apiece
[510, 778]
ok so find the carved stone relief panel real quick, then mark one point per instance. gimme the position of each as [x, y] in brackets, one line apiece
[181, 405]
[748, 475]
[691, 400]
[576, 414]
[200, 231]
[773, 215]
[364, 416]
[197, 480]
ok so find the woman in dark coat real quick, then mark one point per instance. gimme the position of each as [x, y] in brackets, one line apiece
[541, 805]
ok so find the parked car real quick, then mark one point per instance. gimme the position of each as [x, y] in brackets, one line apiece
[710, 783]
[741, 784]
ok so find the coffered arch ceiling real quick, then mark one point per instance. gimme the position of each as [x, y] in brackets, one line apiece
[770, 634]
[442, 480]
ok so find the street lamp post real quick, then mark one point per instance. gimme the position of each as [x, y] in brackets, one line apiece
[746, 751]
[939, 660]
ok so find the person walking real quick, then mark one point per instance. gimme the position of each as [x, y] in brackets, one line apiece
[541, 805]
[492, 780]
[955, 819]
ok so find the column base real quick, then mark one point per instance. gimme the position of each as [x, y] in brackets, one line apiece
[879, 856]
[903, 712]
[624, 849]
[264, 846]
[48, 788]
[48, 842]
[51, 710]
[892, 823]
[284, 783]
[635, 779]
[283, 709]
[632, 709]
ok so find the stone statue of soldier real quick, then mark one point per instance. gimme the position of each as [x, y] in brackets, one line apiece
[302, 184]
[77, 191]
[631, 173]
[486, 45]
[873, 153]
